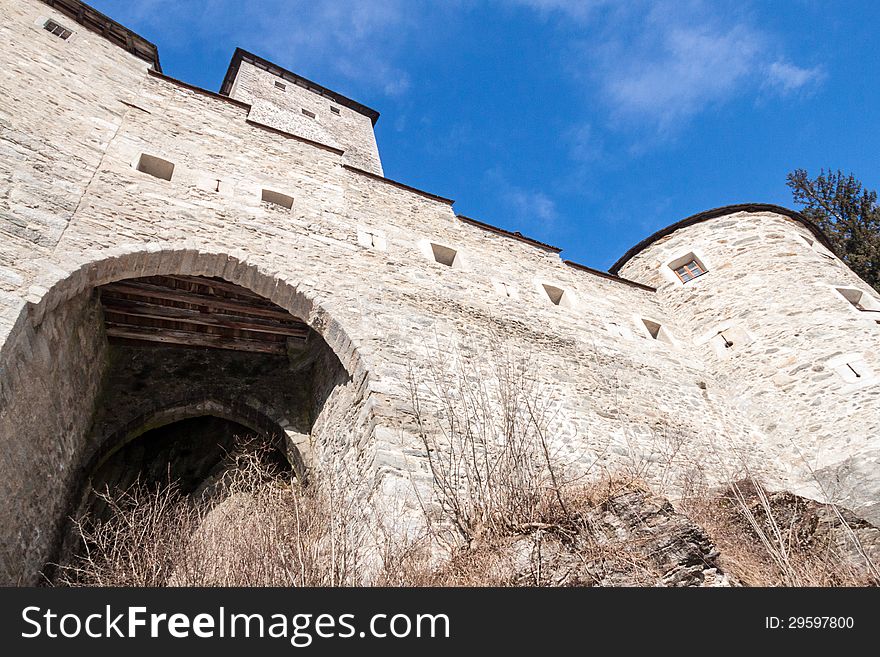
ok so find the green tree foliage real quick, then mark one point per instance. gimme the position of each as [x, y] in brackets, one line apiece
[847, 213]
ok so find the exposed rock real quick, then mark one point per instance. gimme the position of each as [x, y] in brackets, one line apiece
[631, 539]
[808, 527]
[635, 538]
[649, 527]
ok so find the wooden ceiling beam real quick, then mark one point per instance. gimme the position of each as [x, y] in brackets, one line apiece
[192, 339]
[199, 312]
[150, 291]
[211, 283]
[146, 310]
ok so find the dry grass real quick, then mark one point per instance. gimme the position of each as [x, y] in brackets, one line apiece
[486, 432]
[260, 529]
[502, 513]
[560, 546]
[485, 437]
[768, 539]
[255, 527]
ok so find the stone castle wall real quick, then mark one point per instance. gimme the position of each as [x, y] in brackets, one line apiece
[771, 278]
[50, 378]
[352, 258]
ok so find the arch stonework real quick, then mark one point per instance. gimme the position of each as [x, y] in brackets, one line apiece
[55, 285]
[34, 534]
[296, 450]
[227, 409]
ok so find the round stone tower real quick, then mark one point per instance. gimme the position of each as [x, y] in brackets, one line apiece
[788, 329]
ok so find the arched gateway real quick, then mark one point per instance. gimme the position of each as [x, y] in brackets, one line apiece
[127, 344]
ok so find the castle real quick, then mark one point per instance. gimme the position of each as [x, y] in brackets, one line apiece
[141, 217]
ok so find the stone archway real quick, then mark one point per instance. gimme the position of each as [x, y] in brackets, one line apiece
[56, 356]
[297, 452]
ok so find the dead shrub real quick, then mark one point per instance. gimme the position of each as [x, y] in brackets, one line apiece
[485, 437]
[780, 539]
[503, 513]
[253, 526]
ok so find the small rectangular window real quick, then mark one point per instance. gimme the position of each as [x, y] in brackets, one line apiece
[281, 85]
[860, 300]
[558, 296]
[689, 271]
[155, 166]
[653, 328]
[657, 331]
[54, 28]
[333, 109]
[309, 114]
[555, 294]
[444, 255]
[277, 198]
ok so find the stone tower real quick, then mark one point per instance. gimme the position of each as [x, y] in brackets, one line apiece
[169, 253]
[286, 101]
[787, 329]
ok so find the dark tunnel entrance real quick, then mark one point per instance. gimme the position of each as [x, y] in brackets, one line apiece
[133, 341]
[191, 453]
[197, 371]
[180, 348]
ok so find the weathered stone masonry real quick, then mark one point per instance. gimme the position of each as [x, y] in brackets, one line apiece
[353, 258]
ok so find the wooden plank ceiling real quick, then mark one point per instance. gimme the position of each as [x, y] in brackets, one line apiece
[195, 311]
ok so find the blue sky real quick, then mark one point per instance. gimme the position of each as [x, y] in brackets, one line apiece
[588, 124]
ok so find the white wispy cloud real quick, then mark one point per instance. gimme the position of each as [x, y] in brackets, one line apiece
[658, 63]
[654, 64]
[360, 40]
[788, 78]
[531, 206]
[357, 40]
[677, 71]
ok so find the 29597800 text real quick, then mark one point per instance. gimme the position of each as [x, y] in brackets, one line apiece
[809, 622]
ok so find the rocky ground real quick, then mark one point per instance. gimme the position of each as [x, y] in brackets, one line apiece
[635, 538]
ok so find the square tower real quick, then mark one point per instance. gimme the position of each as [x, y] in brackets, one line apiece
[284, 100]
